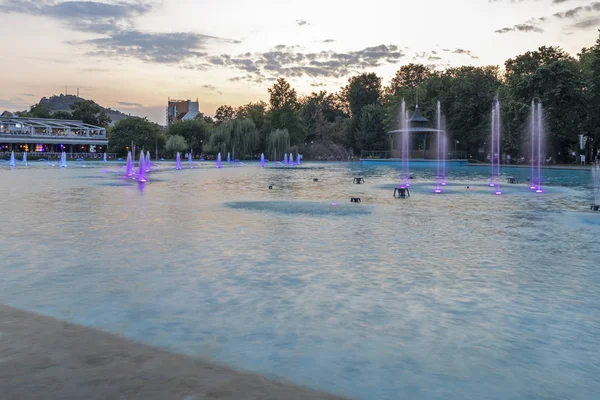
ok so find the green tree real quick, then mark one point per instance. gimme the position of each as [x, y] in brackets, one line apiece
[409, 76]
[90, 113]
[195, 132]
[371, 133]
[361, 91]
[176, 144]
[224, 113]
[592, 83]
[555, 78]
[321, 112]
[237, 135]
[143, 133]
[62, 115]
[284, 111]
[36, 111]
[278, 144]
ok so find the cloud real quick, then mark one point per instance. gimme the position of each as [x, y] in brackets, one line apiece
[521, 28]
[460, 51]
[127, 104]
[587, 23]
[114, 22]
[532, 24]
[302, 22]
[289, 61]
[328, 41]
[163, 48]
[28, 95]
[87, 16]
[212, 88]
[318, 84]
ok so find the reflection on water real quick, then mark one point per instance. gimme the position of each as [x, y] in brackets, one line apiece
[452, 296]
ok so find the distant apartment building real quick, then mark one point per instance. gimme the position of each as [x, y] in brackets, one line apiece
[182, 110]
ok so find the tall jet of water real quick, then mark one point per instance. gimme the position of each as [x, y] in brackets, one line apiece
[291, 159]
[285, 160]
[178, 161]
[25, 158]
[596, 183]
[438, 123]
[219, 160]
[540, 137]
[404, 125]
[495, 174]
[148, 162]
[104, 158]
[11, 163]
[298, 158]
[262, 160]
[142, 168]
[129, 168]
[537, 135]
[63, 160]
[190, 158]
[228, 157]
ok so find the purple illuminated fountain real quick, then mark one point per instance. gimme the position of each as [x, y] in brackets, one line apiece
[141, 176]
[285, 160]
[291, 159]
[495, 175]
[219, 160]
[148, 162]
[178, 161]
[298, 158]
[262, 160]
[129, 168]
[537, 135]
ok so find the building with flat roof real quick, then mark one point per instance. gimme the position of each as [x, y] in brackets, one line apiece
[44, 135]
[182, 110]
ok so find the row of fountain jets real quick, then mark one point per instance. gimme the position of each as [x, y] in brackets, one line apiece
[537, 135]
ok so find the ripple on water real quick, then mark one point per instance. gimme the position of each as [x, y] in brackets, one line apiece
[302, 207]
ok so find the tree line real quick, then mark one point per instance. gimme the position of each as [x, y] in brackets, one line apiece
[357, 117]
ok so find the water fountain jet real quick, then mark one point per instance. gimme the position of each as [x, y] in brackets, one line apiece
[178, 161]
[262, 160]
[129, 169]
[219, 160]
[11, 163]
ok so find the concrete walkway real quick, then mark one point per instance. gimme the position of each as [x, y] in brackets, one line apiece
[45, 358]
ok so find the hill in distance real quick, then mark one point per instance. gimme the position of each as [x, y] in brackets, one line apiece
[63, 103]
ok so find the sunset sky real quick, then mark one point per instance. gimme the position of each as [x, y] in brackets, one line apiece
[133, 55]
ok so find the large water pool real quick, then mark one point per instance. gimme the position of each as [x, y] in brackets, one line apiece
[462, 295]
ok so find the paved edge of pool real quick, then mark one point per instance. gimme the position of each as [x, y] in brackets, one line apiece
[46, 358]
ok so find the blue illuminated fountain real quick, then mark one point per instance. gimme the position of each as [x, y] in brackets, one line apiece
[291, 159]
[11, 163]
[219, 160]
[228, 157]
[190, 159]
[25, 158]
[285, 159]
[262, 160]
[63, 160]
[178, 161]
[104, 158]
[298, 159]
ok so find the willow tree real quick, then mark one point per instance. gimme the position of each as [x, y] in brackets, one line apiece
[176, 143]
[278, 142]
[238, 135]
